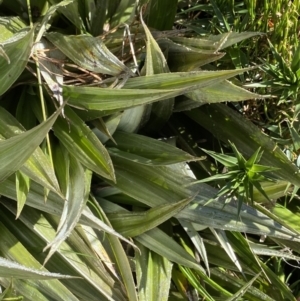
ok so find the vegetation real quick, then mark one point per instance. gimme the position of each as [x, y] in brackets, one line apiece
[149, 150]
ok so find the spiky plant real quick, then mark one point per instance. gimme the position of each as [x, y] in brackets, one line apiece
[117, 210]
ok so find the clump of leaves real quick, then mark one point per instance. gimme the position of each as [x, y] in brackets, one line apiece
[241, 175]
[283, 77]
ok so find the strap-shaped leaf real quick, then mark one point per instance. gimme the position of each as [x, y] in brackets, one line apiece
[144, 89]
[77, 195]
[89, 53]
[13, 269]
[184, 58]
[16, 150]
[159, 242]
[131, 224]
[181, 80]
[215, 42]
[156, 63]
[22, 188]
[146, 150]
[153, 275]
[83, 144]
[16, 52]
[230, 125]
[38, 167]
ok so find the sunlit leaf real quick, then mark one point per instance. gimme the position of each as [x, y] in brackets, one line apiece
[153, 275]
[13, 269]
[83, 144]
[16, 150]
[147, 150]
[77, 195]
[38, 167]
[16, 52]
[133, 224]
[89, 53]
[156, 63]
[22, 189]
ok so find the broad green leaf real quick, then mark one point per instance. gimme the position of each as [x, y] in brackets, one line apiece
[154, 152]
[222, 92]
[230, 125]
[89, 53]
[89, 219]
[183, 58]
[215, 42]
[133, 118]
[135, 223]
[149, 185]
[77, 195]
[13, 269]
[99, 247]
[179, 80]
[153, 275]
[218, 257]
[9, 26]
[138, 158]
[83, 144]
[22, 189]
[155, 63]
[38, 167]
[107, 100]
[11, 158]
[218, 216]
[143, 90]
[16, 52]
